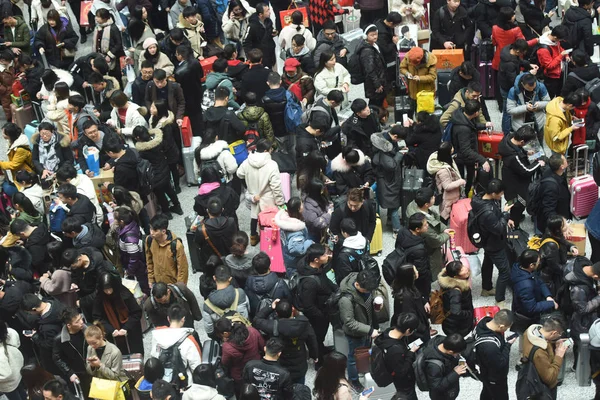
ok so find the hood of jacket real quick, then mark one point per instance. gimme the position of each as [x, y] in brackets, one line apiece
[477, 203]
[347, 286]
[536, 91]
[434, 165]
[339, 164]
[223, 298]
[94, 236]
[535, 339]
[167, 337]
[214, 78]
[186, 25]
[356, 242]
[113, 85]
[63, 139]
[22, 140]
[459, 118]
[575, 14]
[252, 113]
[261, 284]
[213, 150]
[214, 113]
[379, 141]
[259, 160]
[518, 274]
[152, 143]
[406, 239]
[553, 108]
[481, 331]
[545, 40]
[217, 224]
[287, 223]
[577, 277]
[507, 147]
[447, 282]
[200, 392]
[305, 51]
[239, 263]
[277, 95]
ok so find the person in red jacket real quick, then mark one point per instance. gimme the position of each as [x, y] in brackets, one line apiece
[587, 110]
[550, 56]
[321, 11]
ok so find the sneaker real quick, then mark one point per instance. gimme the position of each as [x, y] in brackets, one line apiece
[254, 240]
[83, 39]
[488, 293]
[501, 304]
[357, 386]
[176, 209]
[395, 234]
[178, 190]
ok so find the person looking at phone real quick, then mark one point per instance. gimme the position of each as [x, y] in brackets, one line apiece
[442, 367]
[559, 122]
[550, 55]
[104, 359]
[579, 21]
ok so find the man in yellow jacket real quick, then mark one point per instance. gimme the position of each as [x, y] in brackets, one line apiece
[559, 123]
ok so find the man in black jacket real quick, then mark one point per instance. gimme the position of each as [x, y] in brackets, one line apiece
[451, 27]
[441, 366]
[554, 196]
[35, 238]
[83, 67]
[163, 296]
[309, 137]
[255, 78]
[214, 235]
[83, 235]
[511, 64]
[138, 87]
[486, 13]
[175, 38]
[274, 102]
[358, 209]
[171, 92]
[260, 34]
[492, 223]
[79, 205]
[360, 126]
[461, 76]
[373, 67]
[31, 71]
[296, 333]
[353, 248]
[263, 284]
[268, 376]
[125, 162]
[411, 241]
[219, 116]
[493, 354]
[387, 42]
[328, 38]
[189, 74]
[94, 135]
[579, 21]
[585, 70]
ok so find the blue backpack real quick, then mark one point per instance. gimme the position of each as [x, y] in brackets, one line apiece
[447, 135]
[57, 216]
[293, 112]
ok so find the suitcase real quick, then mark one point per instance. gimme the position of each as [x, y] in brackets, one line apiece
[516, 241]
[487, 78]
[194, 251]
[270, 243]
[286, 185]
[583, 373]
[412, 181]
[207, 65]
[23, 116]
[443, 84]
[376, 245]
[481, 312]
[211, 353]
[488, 142]
[151, 206]
[403, 105]
[189, 160]
[133, 365]
[186, 132]
[352, 39]
[458, 221]
[380, 392]
[584, 191]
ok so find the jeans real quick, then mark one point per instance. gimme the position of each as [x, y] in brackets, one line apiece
[353, 344]
[395, 217]
[506, 119]
[494, 390]
[500, 260]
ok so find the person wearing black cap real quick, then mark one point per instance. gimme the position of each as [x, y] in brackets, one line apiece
[214, 235]
[373, 67]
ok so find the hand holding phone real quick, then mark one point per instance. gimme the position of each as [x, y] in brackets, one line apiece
[511, 337]
[367, 391]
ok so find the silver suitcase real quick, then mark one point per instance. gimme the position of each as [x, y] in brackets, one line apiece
[583, 372]
[188, 161]
[352, 39]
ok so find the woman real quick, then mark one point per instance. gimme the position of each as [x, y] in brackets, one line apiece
[373, 67]
[458, 300]
[25, 209]
[296, 28]
[57, 281]
[139, 30]
[104, 359]
[50, 77]
[447, 178]
[58, 104]
[150, 146]
[19, 156]
[298, 82]
[11, 362]
[51, 149]
[536, 20]
[294, 235]
[30, 188]
[107, 41]
[553, 253]
[235, 23]
[408, 299]
[153, 371]
[240, 260]
[216, 153]
[331, 382]
[57, 40]
[313, 168]
[124, 198]
[352, 170]
[421, 66]
[331, 75]
[317, 210]
[159, 59]
[207, 281]
[162, 118]
[125, 115]
[133, 258]
[590, 113]
[424, 138]
[120, 314]
[212, 186]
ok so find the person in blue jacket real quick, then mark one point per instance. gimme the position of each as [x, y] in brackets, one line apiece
[294, 234]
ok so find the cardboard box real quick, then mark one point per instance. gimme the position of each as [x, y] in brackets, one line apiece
[579, 237]
[448, 59]
[105, 176]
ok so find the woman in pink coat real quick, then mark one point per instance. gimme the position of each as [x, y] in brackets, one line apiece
[447, 178]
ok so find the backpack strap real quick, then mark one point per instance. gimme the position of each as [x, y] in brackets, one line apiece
[574, 75]
[220, 311]
[275, 327]
[532, 353]
[210, 243]
[548, 240]
[174, 249]
[177, 291]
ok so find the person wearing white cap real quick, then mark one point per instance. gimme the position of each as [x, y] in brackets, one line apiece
[107, 41]
[159, 59]
[372, 66]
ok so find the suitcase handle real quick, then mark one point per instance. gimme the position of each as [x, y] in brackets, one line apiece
[577, 151]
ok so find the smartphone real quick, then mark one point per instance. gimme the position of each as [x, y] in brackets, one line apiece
[511, 337]
[510, 202]
[569, 342]
[417, 342]
[28, 332]
[10, 210]
[367, 391]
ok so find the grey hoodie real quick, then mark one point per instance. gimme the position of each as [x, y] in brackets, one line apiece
[223, 299]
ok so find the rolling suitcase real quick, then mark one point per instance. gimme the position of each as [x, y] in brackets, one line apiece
[270, 240]
[194, 251]
[133, 364]
[286, 185]
[403, 105]
[189, 160]
[583, 373]
[22, 116]
[377, 241]
[584, 191]
[211, 352]
[488, 142]
[412, 181]
[186, 132]
[352, 39]
[487, 79]
[456, 253]
[481, 312]
[516, 241]
[443, 85]
[458, 221]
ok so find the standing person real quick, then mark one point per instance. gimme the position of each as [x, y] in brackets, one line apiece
[162, 118]
[296, 27]
[451, 27]
[331, 382]
[408, 299]
[235, 24]
[240, 259]
[317, 209]
[254, 79]
[444, 371]
[328, 38]
[193, 27]
[293, 232]
[331, 75]
[584, 69]
[108, 42]
[354, 247]
[50, 150]
[57, 41]
[189, 74]
[579, 21]
[457, 297]
[7, 77]
[261, 33]
[551, 56]
[133, 258]
[554, 249]
[359, 209]
[158, 59]
[165, 254]
[419, 66]
[526, 102]
[424, 138]
[360, 127]
[275, 103]
[124, 164]
[163, 296]
[535, 17]
[213, 236]
[104, 359]
[447, 178]
[11, 362]
[263, 284]
[553, 194]
[411, 241]
[471, 92]
[279, 385]
[373, 67]
[461, 76]
[351, 169]
[559, 123]
[387, 41]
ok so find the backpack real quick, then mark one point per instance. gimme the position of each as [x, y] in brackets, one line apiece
[355, 69]
[419, 370]
[470, 352]
[148, 242]
[392, 260]
[533, 195]
[529, 385]
[252, 135]
[332, 305]
[212, 163]
[378, 369]
[365, 261]
[57, 215]
[294, 285]
[292, 113]
[230, 312]
[474, 228]
[536, 242]
[593, 87]
[266, 300]
[172, 361]
[447, 135]
[208, 97]
[436, 304]
[146, 175]
[533, 57]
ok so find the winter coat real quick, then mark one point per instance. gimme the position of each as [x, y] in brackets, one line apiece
[316, 289]
[222, 79]
[327, 80]
[586, 74]
[279, 384]
[486, 14]
[516, 105]
[416, 252]
[255, 80]
[553, 259]
[262, 178]
[161, 265]
[94, 237]
[87, 279]
[189, 349]
[555, 198]
[219, 150]
[358, 132]
[175, 98]
[315, 217]
[286, 34]
[189, 75]
[231, 129]
[36, 245]
[235, 357]
[510, 66]
[304, 57]
[503, 36]
[387, 47]
[294, 239]
[201, 392]
[11, 362]
[260, 36]
[84, 141]
[220, 231]
[435, 237]
[194, 33]
[356, 320]
[111, 366]
[163, 62]
[492, 223]
[259, 286]
[529, 293]
[59, 283]
[398, 359]
[442, 380]
[133, 118]
[47, 327]
[348, 176]
[21, 38]
[413, 302]
[535, 19]
[258, 114]
[424, 140]
[364, 217]
[19, 157]
[157, 312]
[427, 73]
[61, 148]
[274, 103]
[321, 11]
[229, 198]
[131, 249]
[125, 170]
[335, 44]
[493, 352]
[55, 55]
[235, 29]
[66, 356]
[457, 103]
[464, 139]
[170, 130]
[152, 151]
[579, 22]
[447, 181]
[457, 82]
[458, 304]
[32, 83]
[35, 194]
[373, 67]
[348, 258]
[457, 28]
[301, 85]
[546, 362]
[115, 47]
[590, 113]
[550, 58]
[584, 298]
[223, 299]
[516, 168]
[240, 267]
[387, 162]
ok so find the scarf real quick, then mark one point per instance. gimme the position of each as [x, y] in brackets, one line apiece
[48, 157]
[117, 314]
[104, 40]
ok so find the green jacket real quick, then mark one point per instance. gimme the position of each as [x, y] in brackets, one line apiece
[21, 38]
[256, 113]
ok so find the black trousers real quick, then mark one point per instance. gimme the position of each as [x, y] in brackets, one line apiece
[468, 173]
[494, 390]
[320, 327]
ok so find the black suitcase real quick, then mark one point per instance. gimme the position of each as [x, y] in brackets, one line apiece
[443, 82]
[516, 241]
[194, 251]
[403, 105]
[413, 181]
[211, 352]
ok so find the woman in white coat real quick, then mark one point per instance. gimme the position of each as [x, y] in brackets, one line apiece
[331, 75]
[296, 28]
[58, 103]
[11, 362]
[235, 23]
[125, 115]
[261, 174]
[50, 78]
[214, 149]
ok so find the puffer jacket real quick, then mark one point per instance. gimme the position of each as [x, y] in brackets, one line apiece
[335, 44]
[493, 352]
[19, 157]
[555, 196]
[348, 176]
[387, 162]
[356, 320]
[258, 286]
[558, 126]
[55, 55]
[294, 239]
[61, 148]
[398, 359]
[457, 28]
[162, 62]
[464, 139]
[553, 259]
[194, 33]
[133, 118]
[170, 129]
[11, 362]
[516, 168]
[315, 290]
[327, 80]
[442, 379]
[529, 293]
[219, 150]
[315, 217]
[373, 67]
[240, 268]
[359, 130]
[510, 67]
[21, 38]
[448, 182]
[259, 35]
[579, 21]
[223, 299]
[262, 178]
[424, 140]
[258, 114]
[503, 36]
[274, 102]
[492, 222]
[235, 357]
[153, 152]
[457, 103]
[458, 304]
[550, 57]
[132, 253]
[584, 297]
[94, 237]
[348, 259]
[516, 105]
[220, 231]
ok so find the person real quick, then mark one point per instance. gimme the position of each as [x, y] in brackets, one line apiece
[526, 103]
[260, 34]
[579, 21]
[189, 74]
[587, 110]
[193, 27]
[298, 82]
[124, 160]
[163, 296]
[328, 38]
[108, 42]
[408, 299]
[559, 124]
[359, 209]
[594, 232]
[215, 232]
[226, 296]
[214, 154]
[293, 232]
[79, 205]
[296, 334]
[351, 169]
[423, 139]
[163, 390]
[553, 193]
[444, 371]
[554, 249]
[510, 64]
[55, 390]
[457, 298]
[317, 209]
[411, 241]
[105, 86]
[331, 382]
[436, 234]
[359, 315]
[471, 92]
[164, 119]
[160, 88]
[94, 135]
[56, 40]
[220, 77]
[174, 38]
[550, 57]
[550, 349]
[261, 175]
[57, 281]
[50, 149]
[159, 60]
[584, 71]
[373, 67]
[219, 115]
[517, 169]
[125, 115]
[104, 359]
[25, 210]
[122, 197]
[83, 234]
[279, 385]
[419, 66]
[493, 223]
[461, 76]
[138, 87]
[19, 155]
[235, 24]
[452, 27]
[31, 189]
[30, 73]
[301, 53]
[387, 41]
[255, 78]
[534, 18]
[360, 126]
[254, 115]
[493, 354]
[464, 141]
[353, 248]
[331, 75]
[176, 334]
[309, 137]
[153, 372]
[212, 186]
[16, 34]
[132, 257]
[239, 260]
[35, 238]
[165, 254]
[12, 361]
[447, 178]
[79, 116]
[275, 103]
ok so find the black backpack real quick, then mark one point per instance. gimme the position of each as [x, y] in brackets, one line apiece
[355, 68]
[391, 262]
[474, 228]
[172, 361]
[419, 369]
[529, 385]
[379, 372]
[365, 261]
[146, 175]
[266, 300]
[533, 195]
[532, 57]
[295, 289]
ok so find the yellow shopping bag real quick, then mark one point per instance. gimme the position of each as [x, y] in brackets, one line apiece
[103, 389]
[426, 101]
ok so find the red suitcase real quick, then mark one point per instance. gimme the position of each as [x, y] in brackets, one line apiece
[584, 191]
[481, 312]
[458, 221]
[270, 240]
[488, 143]
[207, 65]
[186, 132]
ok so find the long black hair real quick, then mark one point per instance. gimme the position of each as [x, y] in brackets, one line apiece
[329, 376]
[444, 153]
[316, 190]
[162, 110]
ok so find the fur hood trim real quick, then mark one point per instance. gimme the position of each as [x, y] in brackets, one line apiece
[447, 282]
[153, 143]
[115, 83]
[534, 339]
[340, 165]
[287, 223]
[164, 121]
[65, 140]
[186, 25]
[213, 150]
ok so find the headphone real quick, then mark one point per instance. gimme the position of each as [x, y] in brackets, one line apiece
[364, 35]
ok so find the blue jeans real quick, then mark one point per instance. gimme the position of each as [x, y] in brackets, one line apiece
[506, 119]
[395, 217]
[353, 344]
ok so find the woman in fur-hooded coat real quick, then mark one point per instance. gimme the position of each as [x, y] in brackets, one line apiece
[448, 182]
[458, 303]
[351, 175]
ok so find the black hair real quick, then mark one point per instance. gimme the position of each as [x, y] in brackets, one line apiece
[368, 279]
[297, 19]
[580, 58]
[394, 17]
[159, 222]
[55, 387]
[67, 190]
[159, 74]
[423, 196]
[528, 79]
[161, 390]
[284, 308]
[49, 78]
[467, 68]
[103, 13]
[520, 45]
[495, 186]
[118, 98]
[177, 34]
[315, 250]
[554, 227]
[12, 131]
[113, 144]
[141, 134]
[335, 95]
[471, 107]
[325, 56]
[68, 314]
[560, 31]
[255, 56]
[555, 161]
[298, 39]
[189, 11]
[30, 301]
[176, 312]
[273, 78]
[406, 321]
[78, 101]
[415, 221]
[221, 93]
[220, 65]
[261, 263]
[358, 105]
[474, 86]
[314, 190]
[453, 268]
[274, 346]
[222, 274]
[153, 370]
[348, 226]
[293, 208]
[26, 204]
[526, 133]
[528, 257]
[455, 343]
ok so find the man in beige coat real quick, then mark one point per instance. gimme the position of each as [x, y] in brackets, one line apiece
[165, 255]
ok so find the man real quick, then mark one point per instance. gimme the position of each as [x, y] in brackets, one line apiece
[83, 235]
[471, 92]
[231, 129]
[329, 39]
[174, 12]
[549, 356]
[47, 325]
[189, 74]
[399, 355]
[193, 28]
[300, 52]
[16, 34]
[235, 67]
[214, 234]
[83, 67]
[559, 124]
[493, 223]
[296, 334]
[168, 46]
[68, 174]
[105, 86]
[314, 288]
[578, 19]
[79, 116]
[411, 241]
[94, 135]
[553, 194]
[54, 390]
[264, 284]
[358, 209]
[451, 27]
[225, 297]
[163, 390]
[268, 376]
[219, 77]
[79, 206]
[442, 368]
[7, 77]
[511, 65]
[163, 296]
[165, 337]
[309, 136]
[436, 234]
[260, 35]
[584, 72]
[372, 66]
[171, 92]
[31, 71]
[69, 352]
[550, 57]
[327, 105]
[360, 319]
[388, 41]
[461, 76]
[526, 103]
[255, 78]
[274, 102]
[360, 126]
[165, 254]
[354, 247]
[517, 169]
[464, 140]
[493, 354]
[124, 161]
[35, 238]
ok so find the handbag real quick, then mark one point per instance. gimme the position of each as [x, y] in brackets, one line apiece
[362, 355]
[104, 389]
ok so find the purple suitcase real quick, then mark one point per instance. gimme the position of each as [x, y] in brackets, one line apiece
[487, 79]
[584, 191]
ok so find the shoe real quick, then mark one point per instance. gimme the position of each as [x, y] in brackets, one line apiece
[395, 234]
[573, 368]
[83, 39]
[176, 209]
[501, 304]
[178, 190]
[357, 386]
[254, 240]
[488, 293]
[168, 215]
[433, 332]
